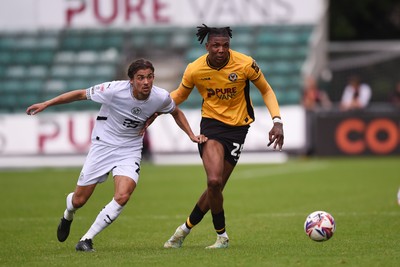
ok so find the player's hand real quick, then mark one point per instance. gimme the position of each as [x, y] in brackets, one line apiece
[276, 136]
[199, 139]
[35, 108]
[148, 122]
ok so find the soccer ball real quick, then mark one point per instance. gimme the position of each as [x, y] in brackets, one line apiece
[319, 226]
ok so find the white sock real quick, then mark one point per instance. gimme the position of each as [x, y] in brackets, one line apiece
[185, 229]
[106, 216]
[224, 235]
[69, 212]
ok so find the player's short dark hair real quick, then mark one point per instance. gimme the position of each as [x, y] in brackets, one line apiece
[140, 64]
[204, 31]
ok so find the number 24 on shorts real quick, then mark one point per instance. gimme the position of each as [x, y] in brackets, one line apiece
[237, 150]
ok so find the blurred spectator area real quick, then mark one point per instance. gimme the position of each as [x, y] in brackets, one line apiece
[35, 66]
[375, 62]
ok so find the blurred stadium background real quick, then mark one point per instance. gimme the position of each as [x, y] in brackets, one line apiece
[51, 46]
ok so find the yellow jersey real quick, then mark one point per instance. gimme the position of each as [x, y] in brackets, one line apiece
[226, 90]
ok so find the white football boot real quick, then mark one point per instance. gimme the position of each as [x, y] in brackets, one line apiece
[222, 242]
[176, 239]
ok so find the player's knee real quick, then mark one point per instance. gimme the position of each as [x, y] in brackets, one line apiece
[122, 199]
[214, 184]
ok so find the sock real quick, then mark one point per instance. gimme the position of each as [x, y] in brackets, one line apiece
[224, 235]
[185, 228]
[219, 222]
[106, 216]
[194, 218]
[69, 212]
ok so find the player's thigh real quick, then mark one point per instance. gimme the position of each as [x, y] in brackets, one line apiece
[213, 158]
[228, 169]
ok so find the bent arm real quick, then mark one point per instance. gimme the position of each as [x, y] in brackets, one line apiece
[178, 96]
[268, 96]
[181, 94]
[64, 98]
[182, 122]
[276, 135]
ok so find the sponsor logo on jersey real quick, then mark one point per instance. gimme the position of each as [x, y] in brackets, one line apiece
[99, 88]
[210, 92]
[222, 93]
[136, 111]
[233, 77]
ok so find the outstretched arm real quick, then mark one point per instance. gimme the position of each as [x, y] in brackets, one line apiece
[61, 99]
[182, 122]
[268, 96]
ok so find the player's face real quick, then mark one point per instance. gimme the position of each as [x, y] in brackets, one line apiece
[142, 82]
[218, 50]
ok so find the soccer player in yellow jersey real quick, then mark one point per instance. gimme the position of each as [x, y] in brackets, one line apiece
[222, 77]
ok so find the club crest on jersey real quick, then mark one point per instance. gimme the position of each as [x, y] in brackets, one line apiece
[136, 111]
[233, 77]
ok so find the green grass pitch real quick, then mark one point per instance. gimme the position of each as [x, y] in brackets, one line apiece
[265, 207]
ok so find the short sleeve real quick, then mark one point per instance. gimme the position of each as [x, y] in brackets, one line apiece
[168, 105]
[101, 93]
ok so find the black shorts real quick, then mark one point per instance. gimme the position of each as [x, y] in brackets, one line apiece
[231, 137]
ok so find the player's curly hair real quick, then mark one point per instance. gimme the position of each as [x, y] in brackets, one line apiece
[204, 31]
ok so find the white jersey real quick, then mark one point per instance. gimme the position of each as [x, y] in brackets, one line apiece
[364, 96]
[122, 116]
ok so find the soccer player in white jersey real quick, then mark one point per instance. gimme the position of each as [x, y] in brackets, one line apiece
[117, 140]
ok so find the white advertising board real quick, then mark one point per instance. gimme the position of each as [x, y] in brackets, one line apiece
[57, 14]
[68, 134]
